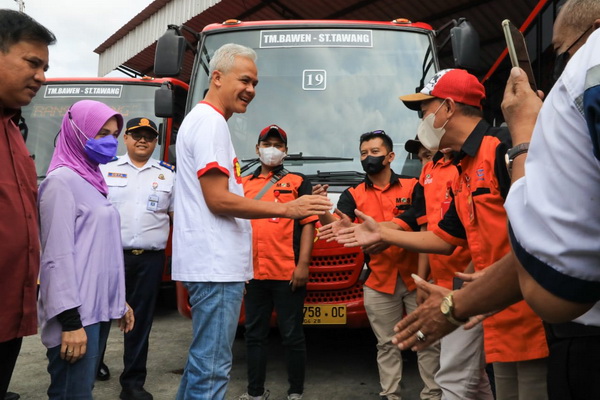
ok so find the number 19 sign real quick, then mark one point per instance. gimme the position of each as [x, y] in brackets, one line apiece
[314, 79]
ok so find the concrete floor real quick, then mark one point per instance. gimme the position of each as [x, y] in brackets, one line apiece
[341, 364]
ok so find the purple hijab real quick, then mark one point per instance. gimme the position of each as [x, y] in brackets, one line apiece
[90, 116]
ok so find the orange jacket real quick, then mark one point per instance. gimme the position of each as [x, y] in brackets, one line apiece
[383, 204]
[276, 241]
[437, 179]
[516, 333]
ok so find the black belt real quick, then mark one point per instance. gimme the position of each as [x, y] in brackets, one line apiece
[137, 252]
[573, 329]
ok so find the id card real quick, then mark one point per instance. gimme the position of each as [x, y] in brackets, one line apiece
[152, 203]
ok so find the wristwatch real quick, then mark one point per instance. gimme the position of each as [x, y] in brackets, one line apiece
[447, 308]
[513, 152]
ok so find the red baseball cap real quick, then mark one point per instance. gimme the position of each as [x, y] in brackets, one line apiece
[457, 84]
[273, 130]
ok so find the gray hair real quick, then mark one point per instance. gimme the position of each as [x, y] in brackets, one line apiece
[225, 55]
[578, 15]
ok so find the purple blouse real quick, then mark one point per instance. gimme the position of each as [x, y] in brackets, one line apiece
[82, 257]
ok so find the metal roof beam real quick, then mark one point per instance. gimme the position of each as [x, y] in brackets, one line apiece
[284, 12]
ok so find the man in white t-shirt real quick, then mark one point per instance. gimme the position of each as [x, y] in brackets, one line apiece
[212, 238]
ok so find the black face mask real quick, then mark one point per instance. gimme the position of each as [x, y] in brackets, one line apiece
[559, 64]
[372, 165]
[563, 58]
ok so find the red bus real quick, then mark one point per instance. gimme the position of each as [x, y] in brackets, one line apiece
[325, 82]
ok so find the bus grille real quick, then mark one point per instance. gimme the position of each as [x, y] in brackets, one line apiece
[354, 293]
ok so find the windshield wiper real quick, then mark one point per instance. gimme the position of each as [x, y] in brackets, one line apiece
[301, 157]
[337, 178]
[295, 159]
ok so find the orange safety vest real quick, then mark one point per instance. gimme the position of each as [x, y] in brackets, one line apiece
[383, 204]
[276, 241]
[516, 333]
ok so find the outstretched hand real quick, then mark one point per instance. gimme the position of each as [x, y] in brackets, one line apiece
[330, 231]
[320, 190]
[307, 205]
[468, 278]
[365, 234]
[427, 319]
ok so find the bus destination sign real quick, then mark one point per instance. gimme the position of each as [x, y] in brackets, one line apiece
[87, 91]
[316, 38]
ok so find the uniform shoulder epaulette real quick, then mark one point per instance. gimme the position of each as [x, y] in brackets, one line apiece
[115, 158]
[167, 165]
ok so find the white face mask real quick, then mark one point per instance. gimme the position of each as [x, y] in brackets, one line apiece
[271, 156]
[429, 136]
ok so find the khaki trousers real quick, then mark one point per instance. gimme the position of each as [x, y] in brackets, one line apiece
[462, 374]
[521, 380]
[384, 312]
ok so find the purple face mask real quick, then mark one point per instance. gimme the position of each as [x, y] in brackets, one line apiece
[101, 150]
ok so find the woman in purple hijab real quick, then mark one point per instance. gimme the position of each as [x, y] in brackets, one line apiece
[82, 284]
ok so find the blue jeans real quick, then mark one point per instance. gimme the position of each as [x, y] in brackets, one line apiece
[262, 296]
[215, 313]
[76, 381]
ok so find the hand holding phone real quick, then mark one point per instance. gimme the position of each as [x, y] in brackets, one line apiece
[517, 50]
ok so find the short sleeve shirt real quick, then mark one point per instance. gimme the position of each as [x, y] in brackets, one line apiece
[144, 198]
[207, 247]
[276, 241]
[554, 210]
[384, 204]
[437, 179]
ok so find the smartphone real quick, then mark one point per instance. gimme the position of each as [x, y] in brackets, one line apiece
[517, 50]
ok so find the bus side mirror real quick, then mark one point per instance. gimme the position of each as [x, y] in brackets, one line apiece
[168, 57]
[465, 45]
[164, 101]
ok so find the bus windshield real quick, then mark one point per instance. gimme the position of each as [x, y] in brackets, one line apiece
[44, 114]
[325, 87]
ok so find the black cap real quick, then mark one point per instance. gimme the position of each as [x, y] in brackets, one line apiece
[413, 145]
[138, 123]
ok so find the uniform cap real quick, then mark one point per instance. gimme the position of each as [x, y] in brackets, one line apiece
[457, 84]
[137, 123]
[273, 130]
[413, 145]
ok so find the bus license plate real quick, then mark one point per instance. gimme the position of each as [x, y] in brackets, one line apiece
[325, 314]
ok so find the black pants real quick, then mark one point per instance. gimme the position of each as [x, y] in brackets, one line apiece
[574, 361]
[9, 351]
[260, 299]
[143, 274]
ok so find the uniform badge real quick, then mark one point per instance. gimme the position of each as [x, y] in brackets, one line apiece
[237, 171]
[161, 177]
[117, 175]
[154, 185]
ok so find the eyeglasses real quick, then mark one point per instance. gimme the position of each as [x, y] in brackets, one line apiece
[137, 136]
[563, 58]
[378, 132]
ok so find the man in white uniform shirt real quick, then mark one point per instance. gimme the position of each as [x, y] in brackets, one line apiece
[141, 188]
[212, 238]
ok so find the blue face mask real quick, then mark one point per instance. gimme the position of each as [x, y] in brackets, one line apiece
[101, 150]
